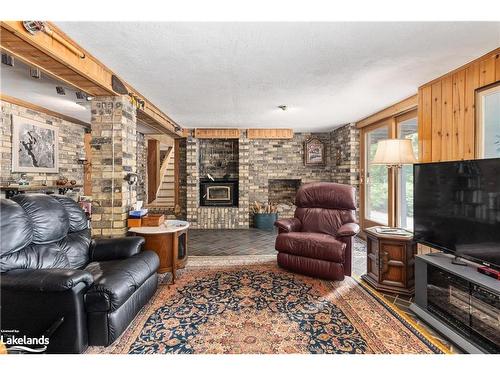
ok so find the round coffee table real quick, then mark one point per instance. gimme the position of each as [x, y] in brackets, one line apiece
[169, 241]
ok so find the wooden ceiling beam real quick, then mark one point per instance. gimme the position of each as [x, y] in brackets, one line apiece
[87, 74]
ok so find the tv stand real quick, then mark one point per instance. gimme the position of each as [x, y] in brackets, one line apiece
[459, 262]
[459, 302]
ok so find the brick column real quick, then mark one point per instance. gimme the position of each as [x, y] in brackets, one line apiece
[114, 151]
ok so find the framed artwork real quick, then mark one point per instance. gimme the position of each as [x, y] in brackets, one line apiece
[35, 146]
[314, 152]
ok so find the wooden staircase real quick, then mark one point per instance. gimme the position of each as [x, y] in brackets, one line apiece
[165, 195]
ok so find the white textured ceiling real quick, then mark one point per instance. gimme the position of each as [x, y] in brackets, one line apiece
[236, 74]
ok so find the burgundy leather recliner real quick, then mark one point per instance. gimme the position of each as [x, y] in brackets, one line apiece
[318, 240]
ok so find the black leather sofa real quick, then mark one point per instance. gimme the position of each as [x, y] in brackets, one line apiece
[56, 281]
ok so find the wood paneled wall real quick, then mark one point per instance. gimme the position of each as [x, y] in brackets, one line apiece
[446, 110]
[270, 133]
[209, 133]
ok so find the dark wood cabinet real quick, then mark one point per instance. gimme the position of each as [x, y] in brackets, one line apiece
[390, 265]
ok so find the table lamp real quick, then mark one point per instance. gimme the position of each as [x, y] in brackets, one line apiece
[394, 153]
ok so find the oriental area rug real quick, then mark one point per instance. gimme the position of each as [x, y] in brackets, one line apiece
[249, 305]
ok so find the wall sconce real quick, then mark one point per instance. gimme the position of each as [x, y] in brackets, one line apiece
[82, 160]
[131, 178]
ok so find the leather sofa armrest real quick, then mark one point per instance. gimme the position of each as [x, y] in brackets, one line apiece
[115, 248]
[44, 280]
[288, 225]
[348, 230]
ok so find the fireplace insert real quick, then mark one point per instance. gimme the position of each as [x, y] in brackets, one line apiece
[219, 192]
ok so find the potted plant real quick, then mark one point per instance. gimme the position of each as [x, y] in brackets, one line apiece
[264, 215]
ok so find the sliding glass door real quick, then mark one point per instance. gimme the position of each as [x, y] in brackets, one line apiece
[407, 128]
[387, 193]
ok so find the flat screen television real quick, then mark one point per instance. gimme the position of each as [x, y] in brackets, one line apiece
[457, 208]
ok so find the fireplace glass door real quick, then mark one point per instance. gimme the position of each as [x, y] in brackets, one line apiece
[218, 193]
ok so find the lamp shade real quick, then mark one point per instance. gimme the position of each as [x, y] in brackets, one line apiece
[394, 152]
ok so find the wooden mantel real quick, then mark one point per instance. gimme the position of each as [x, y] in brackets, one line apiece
[87, 74]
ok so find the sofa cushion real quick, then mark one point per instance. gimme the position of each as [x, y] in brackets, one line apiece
[49, 219]
[311, 245]
[76, 216]
[15, 227]
[116, 280]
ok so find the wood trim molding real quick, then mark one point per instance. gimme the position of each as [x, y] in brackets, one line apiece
[88, 74]
[270, 133]
[153, 168]
[211, 133]
[399, 108]
[34, 107]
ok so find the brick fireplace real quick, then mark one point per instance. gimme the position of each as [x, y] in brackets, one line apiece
[265, 169]
[283, 191]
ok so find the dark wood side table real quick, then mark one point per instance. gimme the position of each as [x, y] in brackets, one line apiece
[390, 265]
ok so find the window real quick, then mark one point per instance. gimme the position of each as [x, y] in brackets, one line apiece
[387, 193]
[488, 124]
[377, 184]
[407, 129]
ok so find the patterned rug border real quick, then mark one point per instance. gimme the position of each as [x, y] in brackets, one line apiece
[422, 333]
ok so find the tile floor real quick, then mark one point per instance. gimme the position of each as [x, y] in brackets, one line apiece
[226, 242]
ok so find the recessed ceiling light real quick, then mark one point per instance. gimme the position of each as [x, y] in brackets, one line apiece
[60, 90]
[282, 107]
[89, 98]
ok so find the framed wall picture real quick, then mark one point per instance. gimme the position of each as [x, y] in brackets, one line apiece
[314, 152]
[35, 146]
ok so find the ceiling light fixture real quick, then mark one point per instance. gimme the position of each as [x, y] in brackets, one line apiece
[60, 90]
[7, 59]
[283, 107]
[35, 73]
[82, 96]
[34, 27]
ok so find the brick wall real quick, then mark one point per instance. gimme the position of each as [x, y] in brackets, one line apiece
[283, 159]
[345, 148]
[141, 161]
[114, 150]
[219, 157]
[71, 145]
[261, 160]
[182, 179]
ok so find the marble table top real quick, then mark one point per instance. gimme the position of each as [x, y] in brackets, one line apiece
[169, 226]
